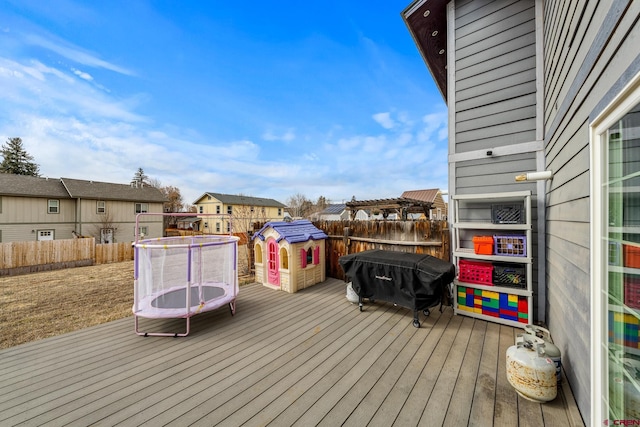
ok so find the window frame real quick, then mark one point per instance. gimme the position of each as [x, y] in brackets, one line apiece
[623, 102]
[140, 210]
[103, 207]
[50, 205]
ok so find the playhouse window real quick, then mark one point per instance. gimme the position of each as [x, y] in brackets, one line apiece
[258, 254]
[284, 259]
[309, 256]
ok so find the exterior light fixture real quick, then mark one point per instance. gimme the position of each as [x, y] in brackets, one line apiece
[534, 176]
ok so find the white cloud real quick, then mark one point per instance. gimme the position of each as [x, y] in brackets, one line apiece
[384, 120]
[82, 74]
[286, 136]
[74, 53]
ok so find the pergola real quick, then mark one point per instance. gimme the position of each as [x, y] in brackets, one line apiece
[401, 205]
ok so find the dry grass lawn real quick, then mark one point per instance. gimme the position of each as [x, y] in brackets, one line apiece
[39, 305]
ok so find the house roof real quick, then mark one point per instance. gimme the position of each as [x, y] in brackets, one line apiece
[334, 209]
[78, 188]
[424, 195]
[65, 188]
[427, 23]
[293, 232]
[31, 186]
[231, 199]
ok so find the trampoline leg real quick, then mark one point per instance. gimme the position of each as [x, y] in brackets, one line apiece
[161, 334]
[360, 303]
[232, 307]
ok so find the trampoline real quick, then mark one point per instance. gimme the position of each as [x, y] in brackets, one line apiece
[179, 277]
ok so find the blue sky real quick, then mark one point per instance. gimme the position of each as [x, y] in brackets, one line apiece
[264, 99]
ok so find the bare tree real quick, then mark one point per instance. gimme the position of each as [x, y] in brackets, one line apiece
[299, 206]
[244, 218]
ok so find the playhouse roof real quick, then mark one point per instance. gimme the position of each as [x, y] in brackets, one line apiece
[293, 232]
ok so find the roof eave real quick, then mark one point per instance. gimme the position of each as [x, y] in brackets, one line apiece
[426, 21]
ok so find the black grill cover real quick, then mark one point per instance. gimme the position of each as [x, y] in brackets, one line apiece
[413, 281]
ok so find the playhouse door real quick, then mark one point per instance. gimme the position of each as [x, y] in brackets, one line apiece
[273, 274]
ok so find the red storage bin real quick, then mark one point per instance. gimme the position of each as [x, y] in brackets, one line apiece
[632, 292]
[475, 272]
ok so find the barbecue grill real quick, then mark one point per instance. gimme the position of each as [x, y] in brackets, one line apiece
[413, 281]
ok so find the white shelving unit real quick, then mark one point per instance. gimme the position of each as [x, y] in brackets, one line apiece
[472, 215]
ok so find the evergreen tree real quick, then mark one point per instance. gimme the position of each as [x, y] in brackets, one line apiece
[140, 178]
[16, 160]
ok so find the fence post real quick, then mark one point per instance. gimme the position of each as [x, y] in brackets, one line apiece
[345, 239]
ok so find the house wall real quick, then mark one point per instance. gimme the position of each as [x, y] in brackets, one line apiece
[592, 49]
[494, 131]
[242, 217]
[20, 215]
[121, 216]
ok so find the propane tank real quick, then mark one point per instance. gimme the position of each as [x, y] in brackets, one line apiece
[351, 294]
[530, 371]
[551, 350]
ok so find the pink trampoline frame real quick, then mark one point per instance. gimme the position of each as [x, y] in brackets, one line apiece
[143, 307]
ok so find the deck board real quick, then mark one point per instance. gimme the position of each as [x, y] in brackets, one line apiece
[310, 358]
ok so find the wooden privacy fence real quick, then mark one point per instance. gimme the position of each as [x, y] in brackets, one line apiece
[346, 237]
[28, 257]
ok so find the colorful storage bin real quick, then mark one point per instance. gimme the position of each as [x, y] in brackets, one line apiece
[475, 272]
[495, 304]
[483, 245]
[624, 329]
[510, 245]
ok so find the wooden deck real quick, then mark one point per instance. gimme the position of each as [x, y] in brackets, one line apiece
[309, 358]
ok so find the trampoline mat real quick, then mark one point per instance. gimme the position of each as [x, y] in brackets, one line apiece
[176, 298]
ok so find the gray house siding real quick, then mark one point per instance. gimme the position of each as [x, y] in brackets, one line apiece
[592, 47]
[495, 74]
[493, 103]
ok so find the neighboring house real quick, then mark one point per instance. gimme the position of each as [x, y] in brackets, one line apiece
[33, 208]
[433, 196]
[243, 212]
[338, 212]
[535, 86]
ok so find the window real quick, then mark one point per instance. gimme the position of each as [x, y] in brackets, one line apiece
[230, 209]
[258, 254]
[200, 209]
[142, 232]
[217, 209]
[309, 256]
[279, 211]
[228, 227]
[252, 209]
[615, 257]
[101, 207]
[142, 207]
[54, 206]
[217, 227]
[284, 259]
